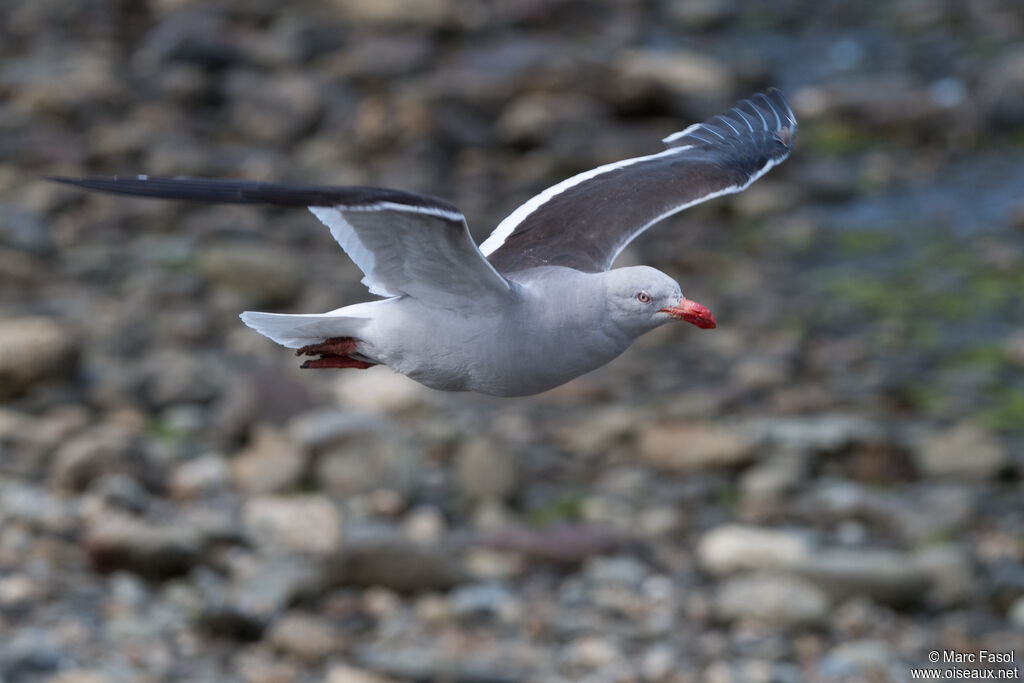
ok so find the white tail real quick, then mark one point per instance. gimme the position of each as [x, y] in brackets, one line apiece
[294, 331]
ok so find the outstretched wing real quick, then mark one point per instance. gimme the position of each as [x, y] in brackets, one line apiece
[585, 221]
[405, 244]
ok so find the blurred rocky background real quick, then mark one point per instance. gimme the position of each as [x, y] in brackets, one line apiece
[825, 488]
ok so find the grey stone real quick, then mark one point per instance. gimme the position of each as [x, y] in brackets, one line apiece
[684, 447]
[862, 660]
[272, 462]
[377, 56]
[886, 576]
[964, 452]
[825, 433]
[679, 72]
[343, 673]
[102, 450]
[118, 490]
[731, 547]
[115, 540]
[772, 479]
[479, 599]
[273, 110]
[19, 591]
[616, 569]
[380, 391]
[32, 349]
[173, 376]
[534, 118]
[262, 395]
[1013, 347]
[36, 508]
[1015, 614]
[308, 637]
[378, 14]
[24, 229]
[379, 555]
[356, 453]
[951, 575]
[485, 471]
[780, 600]
[30, 653]
[255, 275]
[598, 430]
[260, 590]
[300, 523]
[700, 14]
[207, 474]
[918, 513]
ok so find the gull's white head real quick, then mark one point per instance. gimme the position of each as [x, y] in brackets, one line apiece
[642, 298]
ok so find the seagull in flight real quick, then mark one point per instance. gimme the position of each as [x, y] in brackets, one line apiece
[537, 303]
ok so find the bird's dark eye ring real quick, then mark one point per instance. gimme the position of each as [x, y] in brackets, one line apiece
[643, 297]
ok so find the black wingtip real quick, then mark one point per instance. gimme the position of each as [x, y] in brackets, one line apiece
[228, 191]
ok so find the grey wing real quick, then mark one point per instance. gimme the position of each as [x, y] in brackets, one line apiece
[427, 255]
[406, 244]
[585, 221]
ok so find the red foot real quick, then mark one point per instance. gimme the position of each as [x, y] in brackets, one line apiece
[335, 346]
[336, 362]
[334, 353]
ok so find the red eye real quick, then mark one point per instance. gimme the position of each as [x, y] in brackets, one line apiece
[643, 297]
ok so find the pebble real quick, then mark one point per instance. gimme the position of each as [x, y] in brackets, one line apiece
[308, 637]
[699, 15]
[679, 447]
[593, 652]
[116, 540]
[343, 673]
[480, 600]
[80, 460]
[379, 390]
[1013, 347]
[861, 660]
[1015, 615]
[963, 452]
[308, 523]
[887, 576]
[118, 490]
[179, 376]
[823, 433]
[255, 275]
[658, 663]
[206, 475]
[379, 14]
[32, 349]
[618, 569]
[486, 472]
[772, 479]
[272, 110]
[271, 463]
[951, 575]
[785, 601]
[260, 590]
[366, 456]
[18, 591]
[382, 556]
[30, 653]
[731, 548]
[424, 524]
[680, 72]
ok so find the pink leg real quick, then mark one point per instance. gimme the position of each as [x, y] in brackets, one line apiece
[336, 362]
[334, 353]
[335, 346]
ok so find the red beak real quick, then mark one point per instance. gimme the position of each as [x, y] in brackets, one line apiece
[693, 313]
